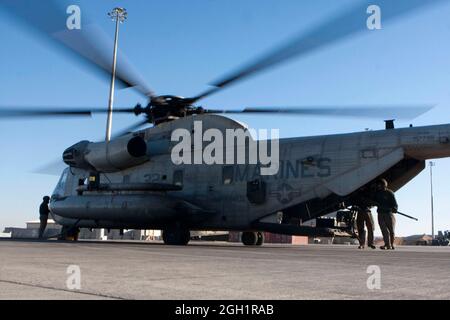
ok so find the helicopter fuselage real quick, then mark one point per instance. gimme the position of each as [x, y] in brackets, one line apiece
[315, 176]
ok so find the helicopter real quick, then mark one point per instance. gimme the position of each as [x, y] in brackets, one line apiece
[131, 181]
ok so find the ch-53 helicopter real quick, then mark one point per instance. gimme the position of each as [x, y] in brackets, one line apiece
[131, 182]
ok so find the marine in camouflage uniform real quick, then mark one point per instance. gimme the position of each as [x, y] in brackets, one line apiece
[387, 206]
[364, 217]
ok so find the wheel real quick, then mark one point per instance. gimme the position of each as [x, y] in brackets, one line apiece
[69, 233]
[76, 234]
[260, 240]
[249, 238]
[176, 236]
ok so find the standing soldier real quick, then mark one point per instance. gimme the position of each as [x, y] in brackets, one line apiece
[387, 206]
[365, 217]
[43, 215]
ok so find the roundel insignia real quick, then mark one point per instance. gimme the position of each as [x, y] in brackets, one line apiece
[285, 193]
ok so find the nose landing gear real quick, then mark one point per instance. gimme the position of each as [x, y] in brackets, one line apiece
[69, 233]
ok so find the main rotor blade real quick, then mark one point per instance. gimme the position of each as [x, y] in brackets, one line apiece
[89, 43]
[329, 32]
[48, 112]
[27, 113]
[54, 168]
[376, 112]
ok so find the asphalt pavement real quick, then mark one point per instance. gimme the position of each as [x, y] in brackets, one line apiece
[219, 270]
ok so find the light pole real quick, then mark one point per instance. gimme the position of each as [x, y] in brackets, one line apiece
[432, 164]
[119, 15]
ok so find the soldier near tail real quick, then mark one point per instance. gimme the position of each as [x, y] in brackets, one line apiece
[387, 206]
[43, 215]
[364, 217]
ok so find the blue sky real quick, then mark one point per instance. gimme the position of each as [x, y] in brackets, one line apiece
[181, 46]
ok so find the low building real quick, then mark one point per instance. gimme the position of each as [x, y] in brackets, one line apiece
[53, 230]
[32, 230]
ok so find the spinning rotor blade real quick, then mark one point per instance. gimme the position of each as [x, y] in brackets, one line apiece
[89, 43]
[377, 112]
[54, 168]
[28, 113]
[331, 31]
[46, 112]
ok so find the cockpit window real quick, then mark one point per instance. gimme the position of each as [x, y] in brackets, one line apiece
[61, 186]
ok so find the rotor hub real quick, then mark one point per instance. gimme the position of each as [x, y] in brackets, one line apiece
[166, 108]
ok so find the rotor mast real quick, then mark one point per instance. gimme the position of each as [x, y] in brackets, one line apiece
[119, 15]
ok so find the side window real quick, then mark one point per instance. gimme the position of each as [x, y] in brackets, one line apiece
[227, 175]
[178, 178]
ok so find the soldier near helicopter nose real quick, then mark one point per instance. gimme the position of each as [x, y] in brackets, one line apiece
[43, 215]
[387, 206]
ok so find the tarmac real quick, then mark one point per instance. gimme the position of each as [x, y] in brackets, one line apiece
[219, 270]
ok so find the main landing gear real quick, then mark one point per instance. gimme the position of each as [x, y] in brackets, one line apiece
[176, 236]
[252, 238]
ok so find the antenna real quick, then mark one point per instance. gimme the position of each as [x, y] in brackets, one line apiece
[119, 15]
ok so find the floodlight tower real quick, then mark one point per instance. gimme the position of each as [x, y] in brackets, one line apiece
[119, 15]
[432, 164]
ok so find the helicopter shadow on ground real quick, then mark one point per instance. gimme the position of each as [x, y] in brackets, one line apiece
[123, 243]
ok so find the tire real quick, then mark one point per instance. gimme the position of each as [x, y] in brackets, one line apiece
[76, 235]
[176, 236]
[69, 233]
[260, 240]
[249, 238]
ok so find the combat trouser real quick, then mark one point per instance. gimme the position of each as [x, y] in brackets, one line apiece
[43, 219]
[365, 217]
[387, 226]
